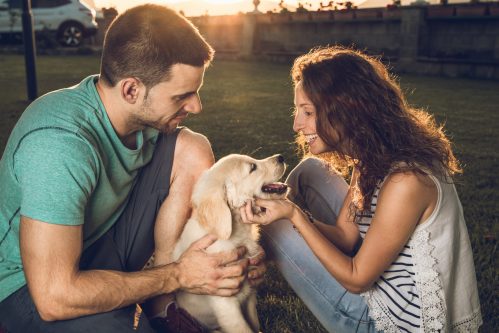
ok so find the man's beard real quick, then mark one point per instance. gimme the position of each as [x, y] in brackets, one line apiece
[164, 127]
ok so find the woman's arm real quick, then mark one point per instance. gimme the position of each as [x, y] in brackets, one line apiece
[404, 201]
[345, 233]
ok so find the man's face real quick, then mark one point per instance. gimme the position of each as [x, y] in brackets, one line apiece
[169, 102]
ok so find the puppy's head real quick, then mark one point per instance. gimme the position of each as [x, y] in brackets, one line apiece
[229, 183]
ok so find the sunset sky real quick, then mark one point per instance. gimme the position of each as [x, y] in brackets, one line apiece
[214, 7]
[223, 7]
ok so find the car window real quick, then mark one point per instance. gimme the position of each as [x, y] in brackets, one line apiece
[4, 5]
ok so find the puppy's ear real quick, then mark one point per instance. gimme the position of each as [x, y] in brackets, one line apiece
[234, 198]
[212, 210]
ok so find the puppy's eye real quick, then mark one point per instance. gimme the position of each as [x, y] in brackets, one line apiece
[252, 167]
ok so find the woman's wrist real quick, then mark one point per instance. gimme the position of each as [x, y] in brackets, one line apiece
[295, 213]
[301, 217]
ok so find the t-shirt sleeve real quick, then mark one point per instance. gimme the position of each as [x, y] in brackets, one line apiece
[57, 172]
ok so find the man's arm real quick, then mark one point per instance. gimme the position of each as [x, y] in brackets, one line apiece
[193, 155]
[51, 254]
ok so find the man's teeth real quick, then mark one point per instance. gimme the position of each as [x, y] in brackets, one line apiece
[310, 137]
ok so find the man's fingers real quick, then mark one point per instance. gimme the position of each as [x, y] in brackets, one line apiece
[230, 283]
[230, 256]
[235, 269]
[204, 242]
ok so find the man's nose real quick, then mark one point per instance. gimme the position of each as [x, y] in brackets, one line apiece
[194, 105]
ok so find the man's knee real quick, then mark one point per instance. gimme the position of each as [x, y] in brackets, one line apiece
[194, 148]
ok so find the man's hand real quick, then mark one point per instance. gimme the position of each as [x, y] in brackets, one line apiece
[257, 268]
[220, 274]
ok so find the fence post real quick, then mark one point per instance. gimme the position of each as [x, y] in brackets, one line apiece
[412, 25]
[248, 35]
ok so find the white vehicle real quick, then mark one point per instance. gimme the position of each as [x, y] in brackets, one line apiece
[70, 20]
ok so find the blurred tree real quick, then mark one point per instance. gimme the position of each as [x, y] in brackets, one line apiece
[347, 5]
[301, 8]
[327, 5]
[283, 8]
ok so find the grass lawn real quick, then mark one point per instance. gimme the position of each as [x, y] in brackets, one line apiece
[247, 110]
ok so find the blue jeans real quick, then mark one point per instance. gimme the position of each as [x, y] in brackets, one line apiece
[321, 192]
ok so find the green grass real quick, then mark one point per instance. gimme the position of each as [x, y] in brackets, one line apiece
[247, 110]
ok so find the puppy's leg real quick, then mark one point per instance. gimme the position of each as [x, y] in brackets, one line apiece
[229, 315]
[251, 313]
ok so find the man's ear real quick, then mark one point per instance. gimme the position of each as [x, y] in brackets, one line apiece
[131, 89]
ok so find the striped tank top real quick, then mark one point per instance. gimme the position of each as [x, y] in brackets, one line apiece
[395, 291]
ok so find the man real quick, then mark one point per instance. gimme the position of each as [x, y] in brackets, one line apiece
[98, 176]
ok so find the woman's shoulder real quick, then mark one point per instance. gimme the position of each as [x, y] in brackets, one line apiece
[410, 187]
[411, 178]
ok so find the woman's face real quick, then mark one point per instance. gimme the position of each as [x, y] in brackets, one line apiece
[305, 121]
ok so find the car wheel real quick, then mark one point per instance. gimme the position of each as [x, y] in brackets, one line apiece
[70, 34]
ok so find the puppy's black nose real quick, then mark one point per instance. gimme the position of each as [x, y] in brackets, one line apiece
[280, 158]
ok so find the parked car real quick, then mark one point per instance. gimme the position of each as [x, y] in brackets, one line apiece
[70, 21]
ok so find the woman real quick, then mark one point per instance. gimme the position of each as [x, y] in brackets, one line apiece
[396, 235]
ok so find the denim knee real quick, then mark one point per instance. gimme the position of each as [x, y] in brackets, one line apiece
[317, 188]
[337, 309]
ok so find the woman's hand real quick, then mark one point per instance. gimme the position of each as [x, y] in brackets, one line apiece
[272, 210]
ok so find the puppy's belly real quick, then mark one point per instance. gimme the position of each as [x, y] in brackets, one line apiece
[200, 306]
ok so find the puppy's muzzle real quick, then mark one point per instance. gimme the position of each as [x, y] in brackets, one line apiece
[277, 187]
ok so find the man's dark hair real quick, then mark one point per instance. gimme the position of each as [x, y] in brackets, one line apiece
[145, 41]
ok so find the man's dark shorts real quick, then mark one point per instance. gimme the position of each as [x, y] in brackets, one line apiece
[125, 247]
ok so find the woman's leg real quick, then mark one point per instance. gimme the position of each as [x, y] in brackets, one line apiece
[322, 192]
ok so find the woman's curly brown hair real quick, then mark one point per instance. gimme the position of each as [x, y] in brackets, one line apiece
[355, 96]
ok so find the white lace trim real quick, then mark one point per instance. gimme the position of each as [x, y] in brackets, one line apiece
[430, 291]
[428, 283]
[377, 311]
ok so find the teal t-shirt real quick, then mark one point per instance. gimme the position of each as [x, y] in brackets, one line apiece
[64, 164]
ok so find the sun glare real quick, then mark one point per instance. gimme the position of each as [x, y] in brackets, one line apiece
[221, 1]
